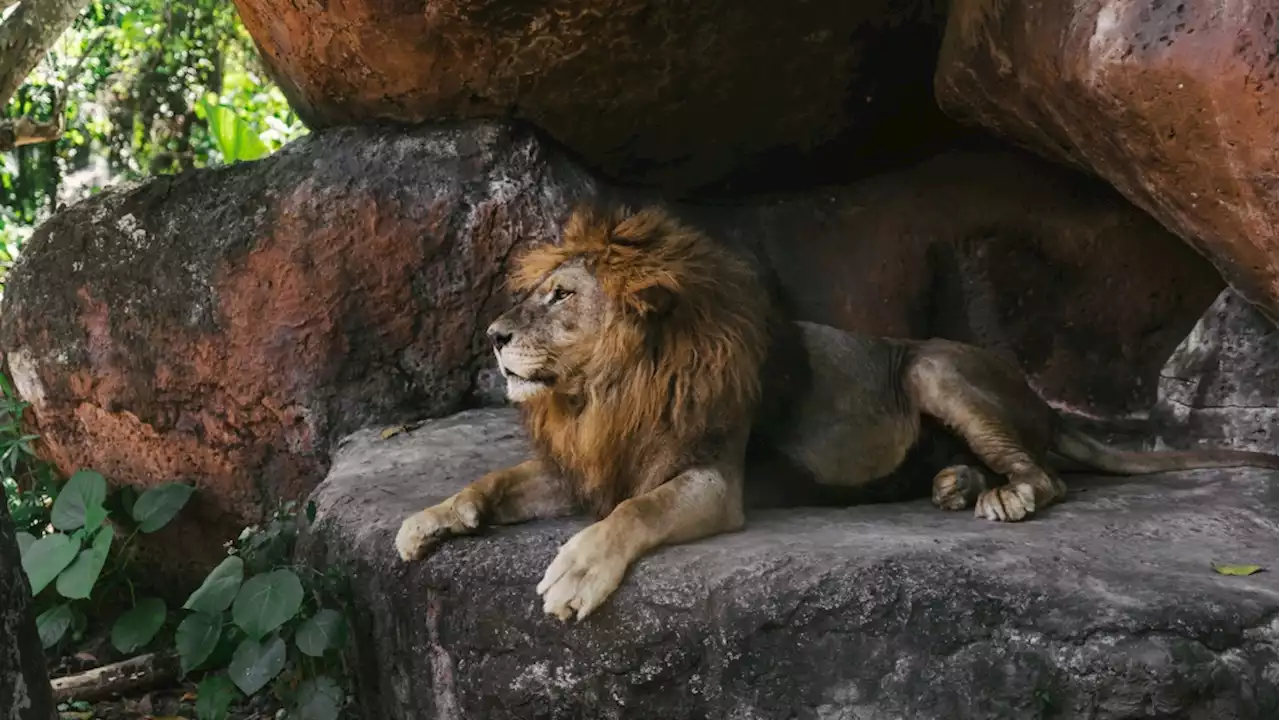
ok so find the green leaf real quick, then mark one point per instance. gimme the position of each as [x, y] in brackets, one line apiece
[77, 581]
[323, 631]
[1237, 569]
[53, 623]
[214, 697]
[128, 496]
[196, 639]
[159, 505]
[47, 557]
[25, 541]
[84, 490]
[136, 627]
[265, 602]
[219, 588]
[94, 515]
[254, 664]
[236, 140]
[320, 698]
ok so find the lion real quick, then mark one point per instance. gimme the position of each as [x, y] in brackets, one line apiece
[642, 354]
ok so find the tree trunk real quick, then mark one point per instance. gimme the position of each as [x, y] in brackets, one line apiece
[27, 35]
[24, 685]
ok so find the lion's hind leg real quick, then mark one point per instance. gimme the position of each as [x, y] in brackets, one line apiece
[1005, 424]
[957, 486]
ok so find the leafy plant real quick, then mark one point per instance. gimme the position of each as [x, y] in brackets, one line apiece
[136, 81]
[73, 556]
[29, 482]
[236, 139]
[275, 620]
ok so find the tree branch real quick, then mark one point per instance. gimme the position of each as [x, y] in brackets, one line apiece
[27, 35]
[24, 131]
[138, 673]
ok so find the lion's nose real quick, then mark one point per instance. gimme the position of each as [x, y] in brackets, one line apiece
[498, 337]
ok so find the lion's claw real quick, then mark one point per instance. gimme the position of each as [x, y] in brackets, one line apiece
[583, 575]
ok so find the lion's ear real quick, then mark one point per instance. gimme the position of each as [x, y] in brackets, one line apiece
[653, 300]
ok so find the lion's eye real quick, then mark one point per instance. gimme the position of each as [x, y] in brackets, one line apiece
[559, 294]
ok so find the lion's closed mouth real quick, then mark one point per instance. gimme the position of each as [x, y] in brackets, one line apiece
[539, 378]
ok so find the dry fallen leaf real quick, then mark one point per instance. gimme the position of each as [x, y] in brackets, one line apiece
[392, 431]
[1237, 569]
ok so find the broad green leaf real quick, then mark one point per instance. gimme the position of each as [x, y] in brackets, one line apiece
[53, 623]
[94, 515]
[158, 505]
[1237, 569]
[138, 626]
[128, 496]
[25, 541]
[254, 664]
[323, 631]
[47, 557]
[77, 580]
[219, 588]
[214, 697]
[197, 637]
[84, 490]
[236, 140]
[320, 698]
[265, 602]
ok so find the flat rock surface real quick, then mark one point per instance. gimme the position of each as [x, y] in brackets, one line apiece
[1104, 607]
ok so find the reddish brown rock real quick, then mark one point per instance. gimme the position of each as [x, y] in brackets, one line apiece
[226, 326]
[1173, 102]
[223, 327]
[679, 95]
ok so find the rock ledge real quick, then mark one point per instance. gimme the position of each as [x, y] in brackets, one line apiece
[1105, 607]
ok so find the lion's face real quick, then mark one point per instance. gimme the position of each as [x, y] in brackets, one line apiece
[532, 340]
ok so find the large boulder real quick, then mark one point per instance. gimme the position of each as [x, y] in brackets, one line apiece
[1173, 103]
[24, 684]
[226, 326]
[1219, 387]
[679, 95]
[878, 611]
[223, 327]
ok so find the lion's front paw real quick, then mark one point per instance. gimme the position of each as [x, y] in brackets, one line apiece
[586, 571]
[458, 515]
[1007, 503]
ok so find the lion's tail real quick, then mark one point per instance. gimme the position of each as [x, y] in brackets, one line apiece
[1099, 456]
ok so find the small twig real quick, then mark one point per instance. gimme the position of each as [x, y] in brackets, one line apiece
[60, 95]
[138, 673]
[25, 131]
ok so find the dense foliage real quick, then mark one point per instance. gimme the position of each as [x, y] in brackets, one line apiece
[146, 87]
[150, 87]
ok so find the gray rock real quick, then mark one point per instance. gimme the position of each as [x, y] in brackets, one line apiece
[1219, 386]
[1104, 607]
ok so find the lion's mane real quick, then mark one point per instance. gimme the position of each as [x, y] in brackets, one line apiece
[676, 365]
